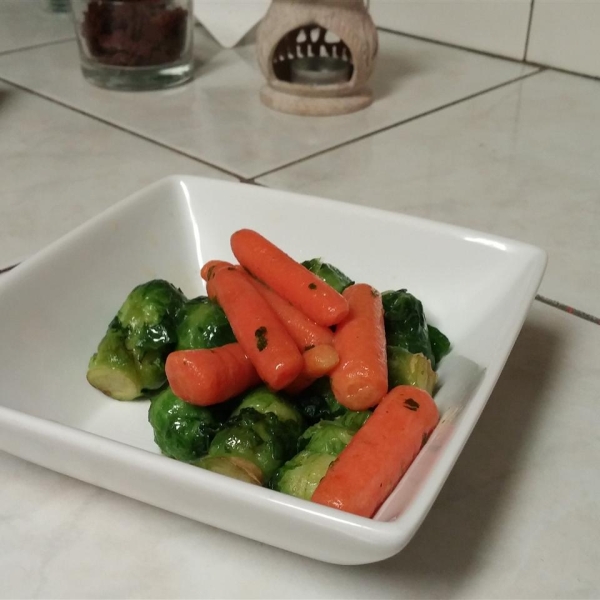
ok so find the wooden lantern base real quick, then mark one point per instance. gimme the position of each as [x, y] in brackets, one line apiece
[315, 107]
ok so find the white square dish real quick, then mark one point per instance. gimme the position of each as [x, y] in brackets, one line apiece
[56, 306]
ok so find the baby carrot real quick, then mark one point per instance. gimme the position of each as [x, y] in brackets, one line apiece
[316, 299]
[377, 457]
[209, 268]
[303, 331]
[318, 362]
[361, 379]
[257, 328]
[206, 377]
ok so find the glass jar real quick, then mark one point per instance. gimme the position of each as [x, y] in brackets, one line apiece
[135, 44]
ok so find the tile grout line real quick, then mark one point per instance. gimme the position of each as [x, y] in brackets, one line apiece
[124, 129]
[35, 46]
[518, 61]
[421, 38]
[568, 309]
[529, 24]
[402, 122]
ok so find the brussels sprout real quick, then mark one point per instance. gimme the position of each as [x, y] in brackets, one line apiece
[331, 437]
[405, 323]
[329, 274]
[150, 314]
[203, 324]
[405, 368]
[354, 419]
[263, 439]
[325, 437]
[440, 344]
[232, 466]
[301, 475]
[317, 402]
[131, 357]
[112, 369]
[182, 431]
[265, 401]
[319, 446]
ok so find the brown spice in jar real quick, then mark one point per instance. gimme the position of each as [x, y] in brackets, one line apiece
[134, 33]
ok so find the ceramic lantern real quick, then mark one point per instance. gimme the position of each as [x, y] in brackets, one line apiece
[317, 56]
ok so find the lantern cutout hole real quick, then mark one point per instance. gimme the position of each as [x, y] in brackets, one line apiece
[312, 54]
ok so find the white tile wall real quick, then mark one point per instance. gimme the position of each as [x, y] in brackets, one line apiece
[566, 34]
[496, 26]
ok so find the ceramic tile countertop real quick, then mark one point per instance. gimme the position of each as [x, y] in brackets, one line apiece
[27, 23]
[467, 139]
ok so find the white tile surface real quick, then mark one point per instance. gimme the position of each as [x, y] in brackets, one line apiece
[220, 119]
[518, 517]
[521, 161]
[59, 168]
[566, 35]
[27, 23]
[496, 26]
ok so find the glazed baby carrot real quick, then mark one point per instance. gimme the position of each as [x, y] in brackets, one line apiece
[318, 362]
[316, 299]
[380, 453]
[209, 268]
[257, 328]
[206, 377]
[303, 331]
[361, 379]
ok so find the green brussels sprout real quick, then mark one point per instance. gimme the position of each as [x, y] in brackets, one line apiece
[405, 368]
[203, 324]
[318, 447]
[182, 431]
[113, 369]
[150, 315]
[317, 402]
[325, 437]
[353, 419]
[265, 401]
[329, 274]
[440, 344]
[405, 323]
[232, 466]
[263, 439]
[301, 475]
[331, 437]
[131, 357]
[152, 370]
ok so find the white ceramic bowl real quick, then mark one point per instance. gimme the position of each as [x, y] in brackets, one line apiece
[56, 306]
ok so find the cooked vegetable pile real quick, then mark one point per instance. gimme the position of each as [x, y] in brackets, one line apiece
[288, 375]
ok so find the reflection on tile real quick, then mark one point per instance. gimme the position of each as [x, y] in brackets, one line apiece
[519, 510]
[219, 117]
[521, 161]
[566, 35]
[494, 26]
[59, 168]
[26, 23]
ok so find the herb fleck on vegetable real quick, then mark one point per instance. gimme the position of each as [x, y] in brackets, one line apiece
[411, 404]
[261, 338]
[312, 286]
